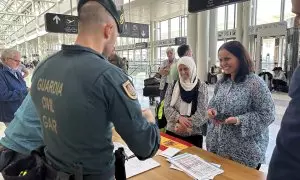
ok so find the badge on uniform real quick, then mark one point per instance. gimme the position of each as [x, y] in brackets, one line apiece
[130, 90]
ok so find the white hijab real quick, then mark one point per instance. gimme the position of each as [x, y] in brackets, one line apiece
[185, 108]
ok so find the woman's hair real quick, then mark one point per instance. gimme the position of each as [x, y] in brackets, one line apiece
[245, 66]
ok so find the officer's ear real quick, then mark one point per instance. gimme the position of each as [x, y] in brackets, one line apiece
[108, 31]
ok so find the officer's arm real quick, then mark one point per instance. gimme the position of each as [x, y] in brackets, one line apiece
[124, 111]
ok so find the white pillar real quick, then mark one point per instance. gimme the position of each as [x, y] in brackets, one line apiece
[151, 43]
[246, 24]
[258, 57]
[213, 36]
[202, 53]
[192, 32]
[239, 22]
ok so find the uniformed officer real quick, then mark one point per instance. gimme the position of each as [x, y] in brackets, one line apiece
[78, 94]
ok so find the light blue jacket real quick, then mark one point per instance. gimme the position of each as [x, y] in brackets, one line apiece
[24, 133]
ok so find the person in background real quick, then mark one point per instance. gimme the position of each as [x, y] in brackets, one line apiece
[184, 50]
[279, 79]
[23, 70]
[23, 134]
[118, 61]
[12, 85]
[285, 161]
[240, 110]
[164, 71]
[186, 104]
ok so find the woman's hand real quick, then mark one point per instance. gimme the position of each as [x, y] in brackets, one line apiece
[180, 128]
[232, 120]
[211, 113]
[185, 122]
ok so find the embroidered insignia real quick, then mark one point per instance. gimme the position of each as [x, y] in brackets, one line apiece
[130, 90]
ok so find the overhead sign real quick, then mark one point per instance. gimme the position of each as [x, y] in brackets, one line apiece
[60, 23]
[180, 41]
[135, 30]
[141, 45]
[202, 5]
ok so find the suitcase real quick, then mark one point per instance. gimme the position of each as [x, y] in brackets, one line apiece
[151, 91]
[151, 81]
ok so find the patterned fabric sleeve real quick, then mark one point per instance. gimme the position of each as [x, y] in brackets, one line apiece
[172, 115]
[212, 101]
[262, 112]
[200, 118]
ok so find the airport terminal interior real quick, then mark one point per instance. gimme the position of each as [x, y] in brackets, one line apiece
[265, 27]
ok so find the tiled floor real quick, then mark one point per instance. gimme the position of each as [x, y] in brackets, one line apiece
[281, 101]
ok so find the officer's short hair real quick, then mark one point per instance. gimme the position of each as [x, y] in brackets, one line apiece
[182, 50]
[170, 49]
[92, 12]
[9, 53]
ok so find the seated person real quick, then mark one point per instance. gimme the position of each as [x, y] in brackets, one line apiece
[279, 79]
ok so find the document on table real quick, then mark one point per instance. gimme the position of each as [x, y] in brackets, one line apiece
[169, 152]
[134, 166]
[195, 166]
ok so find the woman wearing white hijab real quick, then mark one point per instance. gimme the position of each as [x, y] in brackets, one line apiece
[186, 104]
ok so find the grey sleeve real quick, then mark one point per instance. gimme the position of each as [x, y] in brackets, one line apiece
[142, 137]
[200, 118]
[262, 112]
[172, 115]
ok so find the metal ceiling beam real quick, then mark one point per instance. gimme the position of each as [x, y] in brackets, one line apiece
[16, 14]
[11, 24]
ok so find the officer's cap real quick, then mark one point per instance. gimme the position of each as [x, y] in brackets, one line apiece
[110, 6]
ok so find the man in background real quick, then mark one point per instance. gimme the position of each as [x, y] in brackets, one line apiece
[164, 71]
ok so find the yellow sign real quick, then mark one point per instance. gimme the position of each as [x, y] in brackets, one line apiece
[171, 143]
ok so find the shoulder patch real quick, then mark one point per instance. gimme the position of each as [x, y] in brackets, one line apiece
[130, 90]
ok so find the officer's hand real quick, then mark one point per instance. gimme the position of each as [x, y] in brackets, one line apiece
[148, 115]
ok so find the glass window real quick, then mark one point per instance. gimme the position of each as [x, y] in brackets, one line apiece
[130, 55]
[175, 27]
[163, 53]
[123, 41]
[268, 11]
[119, 41]
[221, 18]
[288, 10]
[157, 31]
[184, 26]
[125, 54]
[231, 16]
[158, 55]
[164, 29]
[130, 40]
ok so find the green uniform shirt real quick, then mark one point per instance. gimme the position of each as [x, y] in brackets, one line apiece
[78, 94]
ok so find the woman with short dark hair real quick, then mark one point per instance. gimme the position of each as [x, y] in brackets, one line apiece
[240, 111]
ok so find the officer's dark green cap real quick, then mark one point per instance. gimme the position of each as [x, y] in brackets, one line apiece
[110, 6]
